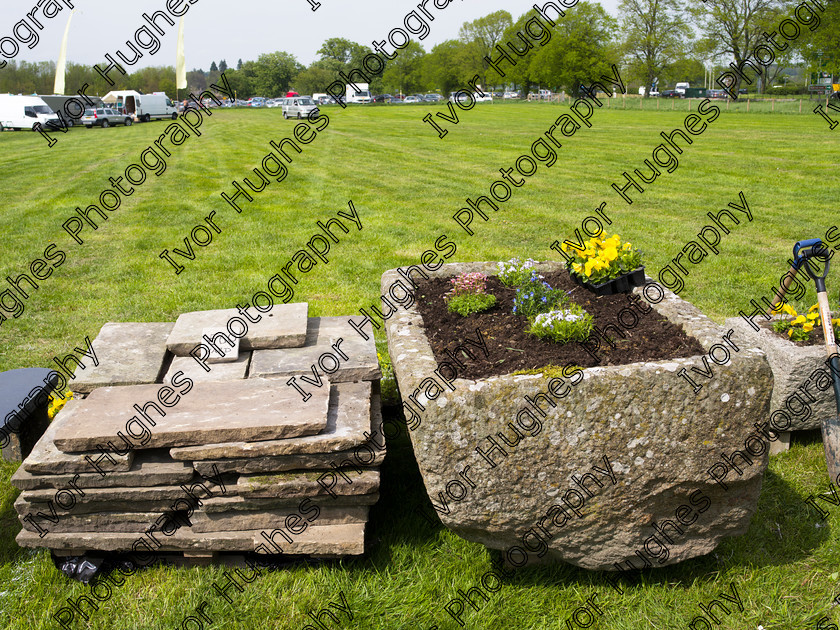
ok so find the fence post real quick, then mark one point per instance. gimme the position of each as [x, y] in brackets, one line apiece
[800, 105]
[773, 105]
[748, 104]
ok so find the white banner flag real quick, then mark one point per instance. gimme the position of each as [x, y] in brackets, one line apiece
[60, 65]
[180, 61]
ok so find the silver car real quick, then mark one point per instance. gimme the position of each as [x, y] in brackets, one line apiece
[299, 107]
[105, 117]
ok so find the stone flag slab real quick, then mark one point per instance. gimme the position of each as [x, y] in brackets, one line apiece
[114, 522]
[250, 409]
[330, 540]
[328, 514]
[370, 452]
[129, 353]
[24, 507]
[348, 417]
[150, 468]
[284, 326]
[305, 484]
[291, 503]
[46, 459]
[231, 371]
[360, 363]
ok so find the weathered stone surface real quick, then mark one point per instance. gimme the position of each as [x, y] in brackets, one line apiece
[231, 371]
[305, 484]
[222, 351]
[291, 502]
[792, 367]
[331, 540]
[658, 437]
[250, 409]
[361, 363]
[348, 417]
[46, 459]
[129, 353]
[115, 522]
[150, 468]
[270, 519]
[284, 326]
[150, 494]
[369, 454]
[24, 507]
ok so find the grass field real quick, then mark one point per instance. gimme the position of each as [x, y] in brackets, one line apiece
[406, 184]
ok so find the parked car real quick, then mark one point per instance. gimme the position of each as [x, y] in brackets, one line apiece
[670, 94]
[716, 94]
[433, 98]
[299, 107]
[105, 117]
[412, 99]
[511, 95]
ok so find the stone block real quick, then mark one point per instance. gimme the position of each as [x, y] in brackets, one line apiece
[223, 349]
[290, 503]
[284, 326]
[230, 371]
[792, 367]
[368, 453]
[129, 353]
[150, 468]
[361, 363]
[331, 540]
[348, 417]
[305, 484]
[329, 514]
[46, 459]
[642, 421]
[248, 410]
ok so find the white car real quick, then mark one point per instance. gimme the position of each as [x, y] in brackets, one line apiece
[511, 95]
[412, 99]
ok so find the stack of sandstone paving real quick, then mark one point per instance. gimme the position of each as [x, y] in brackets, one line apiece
[161, 455]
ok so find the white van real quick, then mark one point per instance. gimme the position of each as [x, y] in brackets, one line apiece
[24, 112]
[142, 107]
[362, 95]
[680, 88]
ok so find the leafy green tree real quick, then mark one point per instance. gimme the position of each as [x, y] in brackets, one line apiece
[580, 51]
[734, 27]
[655, 36]
[405, 73]
[314, 79]
[485, 32]
[449, 66]
[273, 73]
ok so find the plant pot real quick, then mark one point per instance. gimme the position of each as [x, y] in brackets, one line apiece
[622, 284]
[659, 438]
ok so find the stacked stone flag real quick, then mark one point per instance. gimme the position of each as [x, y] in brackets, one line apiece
[227, 431]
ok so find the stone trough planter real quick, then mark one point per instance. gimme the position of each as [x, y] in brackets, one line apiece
[794, 370]
[659, 438]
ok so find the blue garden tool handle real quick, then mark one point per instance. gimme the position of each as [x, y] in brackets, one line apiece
[809, 246]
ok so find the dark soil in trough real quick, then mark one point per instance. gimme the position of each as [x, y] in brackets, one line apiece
[510, 348]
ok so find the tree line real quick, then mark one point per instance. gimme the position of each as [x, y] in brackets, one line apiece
[668, 40]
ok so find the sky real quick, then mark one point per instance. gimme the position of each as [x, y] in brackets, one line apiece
[215, 30]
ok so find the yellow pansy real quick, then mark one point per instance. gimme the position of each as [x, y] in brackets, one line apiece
[589, 265]
[799, 320]
[814, 307]
[627, 246]
[577, 267]
[813, 316]
[610, 253]
[787, 308]
[808, 327]
[790, 332]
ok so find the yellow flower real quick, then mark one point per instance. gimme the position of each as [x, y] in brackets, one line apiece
[799, 320]
[787, 308]
[813, 316]
[577, 267]
[808, 327]
[589, 265]
[610, 253]
[627, 246]
[836, 321]
[814, 307]
[790, 332]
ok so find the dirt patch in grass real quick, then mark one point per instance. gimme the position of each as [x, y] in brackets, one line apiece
[510, 348]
